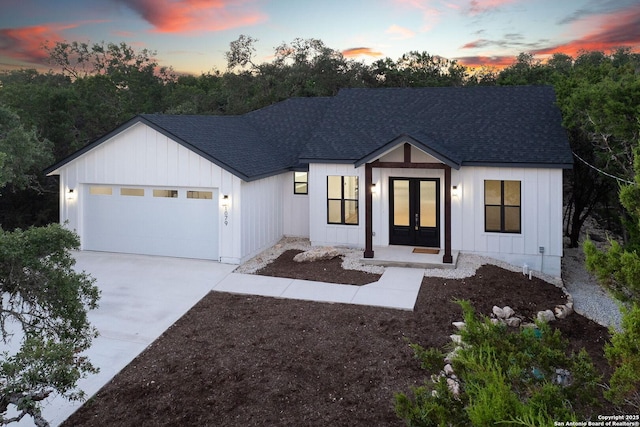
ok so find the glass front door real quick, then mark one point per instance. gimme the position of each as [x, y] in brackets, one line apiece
[414, 212]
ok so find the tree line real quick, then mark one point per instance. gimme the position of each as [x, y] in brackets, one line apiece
[44, 117]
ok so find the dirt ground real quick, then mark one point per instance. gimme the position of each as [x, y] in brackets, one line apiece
[237, 360]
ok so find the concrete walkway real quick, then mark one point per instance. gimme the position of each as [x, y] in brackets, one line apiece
[142, 296]
[397, 288]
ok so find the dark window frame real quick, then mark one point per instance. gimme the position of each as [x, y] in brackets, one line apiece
[343, 201]
[502, 207]
[295, 183]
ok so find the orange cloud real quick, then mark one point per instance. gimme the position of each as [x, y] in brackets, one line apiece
[498, 62]
[621, 28]
[178, 16]
[361, 51]
[26, 43]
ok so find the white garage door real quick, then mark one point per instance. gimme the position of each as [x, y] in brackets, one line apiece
[177, 222]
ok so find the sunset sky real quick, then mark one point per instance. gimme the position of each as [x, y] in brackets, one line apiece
[193, 35]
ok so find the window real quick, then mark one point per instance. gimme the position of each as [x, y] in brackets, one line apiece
[300, 183]
[342, 200]
[100, 191]
[200, 195]
[165, 193]
[502, 206]
[132, 191]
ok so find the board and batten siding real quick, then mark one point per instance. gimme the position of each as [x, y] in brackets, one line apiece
[541, 217]
[541, 212]
[320, 232]
[296, 210]
[261, 214]
[142, 156]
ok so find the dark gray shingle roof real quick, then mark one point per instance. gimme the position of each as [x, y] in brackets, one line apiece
[475, 125]
[508, 125]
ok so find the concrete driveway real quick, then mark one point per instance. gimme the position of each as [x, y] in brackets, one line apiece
[141, 297]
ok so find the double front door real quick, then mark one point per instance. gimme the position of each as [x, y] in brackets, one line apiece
[414, 212]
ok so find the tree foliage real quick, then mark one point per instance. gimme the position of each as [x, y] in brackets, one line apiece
[44, 318]
[21, 152]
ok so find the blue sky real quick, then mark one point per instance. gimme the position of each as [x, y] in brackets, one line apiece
[193, 35]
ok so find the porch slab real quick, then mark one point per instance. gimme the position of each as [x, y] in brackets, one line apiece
[403, 256]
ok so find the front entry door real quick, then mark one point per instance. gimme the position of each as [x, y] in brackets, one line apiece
[414, 212]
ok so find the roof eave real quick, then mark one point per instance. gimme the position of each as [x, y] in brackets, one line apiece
[520, 165]
[54, 169]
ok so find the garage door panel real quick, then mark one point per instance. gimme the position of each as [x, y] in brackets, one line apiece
[151, 225]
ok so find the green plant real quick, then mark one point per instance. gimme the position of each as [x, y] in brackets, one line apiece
[504, 376]
[623, 353]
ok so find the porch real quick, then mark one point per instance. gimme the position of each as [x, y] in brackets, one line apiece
[409, 256]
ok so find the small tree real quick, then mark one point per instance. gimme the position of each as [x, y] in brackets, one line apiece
[618, 268]
[43, 316]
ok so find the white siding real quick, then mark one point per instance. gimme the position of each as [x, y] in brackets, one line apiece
[541, 217]
[296, 209]
[141, 156]
[262, 213]
[320, 232]
[541, 210]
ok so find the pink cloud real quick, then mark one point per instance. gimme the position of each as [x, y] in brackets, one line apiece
[185, 16]
[430, 14]
[613, 30]
[400, 33]
[26, 43]
[361, 51]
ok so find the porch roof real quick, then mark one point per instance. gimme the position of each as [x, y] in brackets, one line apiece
[421, 142]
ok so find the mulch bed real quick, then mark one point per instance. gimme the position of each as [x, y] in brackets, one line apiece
[237, 360]
[329, 270]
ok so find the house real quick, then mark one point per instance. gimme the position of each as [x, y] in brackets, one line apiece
[472, 170]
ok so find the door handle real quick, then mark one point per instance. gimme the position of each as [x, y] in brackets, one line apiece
[417, 221]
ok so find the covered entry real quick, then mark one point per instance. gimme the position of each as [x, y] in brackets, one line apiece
[177, 222]
[414, 212]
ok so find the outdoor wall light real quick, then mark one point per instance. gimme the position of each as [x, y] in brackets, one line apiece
[71, 194]
[455, 191]
[374, 189]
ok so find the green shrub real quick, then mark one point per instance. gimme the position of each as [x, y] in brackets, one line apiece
[505, 376]
[623, 354]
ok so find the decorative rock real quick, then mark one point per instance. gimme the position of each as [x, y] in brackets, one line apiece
[448, 369]
[562, 377]
[457, 339]
[546, 316]
[508, 312]
[498, 312]
[459, 325]
[562, 311]
[495, 321]
[454, 387]
[317, 254]
[449, 357]
[513, 322]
